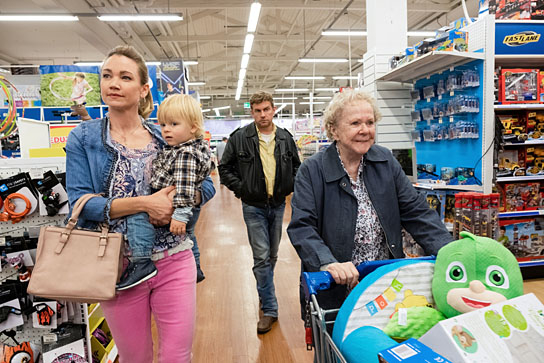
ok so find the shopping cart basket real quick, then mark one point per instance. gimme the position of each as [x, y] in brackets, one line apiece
[317, 319]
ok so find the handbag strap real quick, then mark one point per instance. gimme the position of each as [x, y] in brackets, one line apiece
[78, 207]
[72, 222]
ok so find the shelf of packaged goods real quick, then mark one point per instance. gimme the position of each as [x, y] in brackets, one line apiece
[466, 188]
[520, 178]
[519, 60]
[532, 262]
[522, 213]
[528, 142]
[429, 63]
[520, 106]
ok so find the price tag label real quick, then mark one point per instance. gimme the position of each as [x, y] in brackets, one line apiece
[440, 120]
[49, 338]
[402, 316]
[36, 173]
[452, 92]
[451, 118]
[428, 99]
[439, 97]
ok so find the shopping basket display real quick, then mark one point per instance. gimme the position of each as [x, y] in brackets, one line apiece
[319, 322]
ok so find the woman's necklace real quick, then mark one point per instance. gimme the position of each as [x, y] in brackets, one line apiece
[124, 137]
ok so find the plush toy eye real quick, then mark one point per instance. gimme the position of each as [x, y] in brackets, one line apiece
[495, 276]
[456, 272]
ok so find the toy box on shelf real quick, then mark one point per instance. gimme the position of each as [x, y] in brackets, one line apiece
[520, 196]
[523, 237]
[518, 86]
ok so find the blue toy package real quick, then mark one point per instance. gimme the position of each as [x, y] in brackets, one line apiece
[410, 351]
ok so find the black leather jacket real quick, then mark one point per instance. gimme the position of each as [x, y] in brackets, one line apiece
[241, 169]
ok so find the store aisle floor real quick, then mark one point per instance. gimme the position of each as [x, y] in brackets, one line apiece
[227, 301]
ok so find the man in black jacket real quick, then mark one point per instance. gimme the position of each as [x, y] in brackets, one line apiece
[259, 165]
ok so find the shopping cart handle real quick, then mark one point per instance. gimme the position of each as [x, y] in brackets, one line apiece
[312, 282]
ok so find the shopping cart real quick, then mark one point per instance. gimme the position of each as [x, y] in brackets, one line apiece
[317, 319]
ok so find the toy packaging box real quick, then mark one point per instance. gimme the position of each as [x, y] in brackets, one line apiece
[519, 196]
[410, 351]
[508, 332]
[523, 237]
[518, 86]
[514, 10]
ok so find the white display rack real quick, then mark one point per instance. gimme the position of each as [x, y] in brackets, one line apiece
[522, 213]
[31, 223]
[528, 142]
[516, 60]
[520, 178]
[433, 186]
[520, 106]
[430, 63]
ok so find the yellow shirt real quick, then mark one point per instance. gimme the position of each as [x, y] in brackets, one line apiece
[267, 143]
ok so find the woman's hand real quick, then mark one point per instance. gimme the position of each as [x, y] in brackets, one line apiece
[344, 273]
[159, 206]
[177, 227]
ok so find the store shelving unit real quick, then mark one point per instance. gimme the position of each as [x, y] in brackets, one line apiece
[430, 63]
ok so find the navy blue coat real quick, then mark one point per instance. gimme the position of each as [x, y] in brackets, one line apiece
[322, 227]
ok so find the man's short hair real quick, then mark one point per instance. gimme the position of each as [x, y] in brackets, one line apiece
[260, 97]
[224, 138]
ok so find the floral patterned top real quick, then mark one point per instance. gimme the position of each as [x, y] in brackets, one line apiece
[131, 179]
[369, 235]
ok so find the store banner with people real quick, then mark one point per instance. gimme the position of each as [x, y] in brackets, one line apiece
[172, 78]
[68, 85]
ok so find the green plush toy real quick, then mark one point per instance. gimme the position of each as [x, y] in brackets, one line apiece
[418, 320]
[472, 273]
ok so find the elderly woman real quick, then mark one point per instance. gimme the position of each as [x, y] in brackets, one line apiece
[351, 200]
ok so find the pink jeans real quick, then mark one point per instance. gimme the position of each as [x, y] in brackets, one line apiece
[170, 296]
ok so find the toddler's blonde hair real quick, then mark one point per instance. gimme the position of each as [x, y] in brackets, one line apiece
[182, 108]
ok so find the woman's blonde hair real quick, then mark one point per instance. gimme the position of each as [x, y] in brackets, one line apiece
[182, 108]
[145, 107]
[342, 99]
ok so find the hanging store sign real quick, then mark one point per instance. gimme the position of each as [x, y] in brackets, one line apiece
[519, 38]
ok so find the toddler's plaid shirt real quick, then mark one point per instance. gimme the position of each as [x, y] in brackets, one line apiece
[185, 165]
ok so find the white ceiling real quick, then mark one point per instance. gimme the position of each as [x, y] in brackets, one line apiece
[213, 32]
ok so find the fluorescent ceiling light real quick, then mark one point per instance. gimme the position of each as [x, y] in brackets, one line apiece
[319, 98]
[291, 89]
[206, 110]
[310, 103]
[345, 77]
[322, 60]
[88, 64]
[99, 64]
[141, 17]
[304, 77]
[240, 84]
[238, 94]
[253, 17]
[353, 33]
[360, 60]
[284, 98]
[190, 63]
[205, 97]
[422, 33]
[215, 116]
[242, 74]
[196, 83]
[248, 43]
[328, 89]
[221, 108]
[245, 61]
[4, 70]
[43, 17]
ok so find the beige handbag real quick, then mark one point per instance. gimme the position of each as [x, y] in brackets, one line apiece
[75, 264]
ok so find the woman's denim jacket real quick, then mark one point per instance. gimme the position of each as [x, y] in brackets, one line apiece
[90, 166]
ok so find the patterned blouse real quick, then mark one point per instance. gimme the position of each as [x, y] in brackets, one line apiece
[131, 179]
[369, 240]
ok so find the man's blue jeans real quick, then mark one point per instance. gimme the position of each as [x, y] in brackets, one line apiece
[140, 235]
[264, 232]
